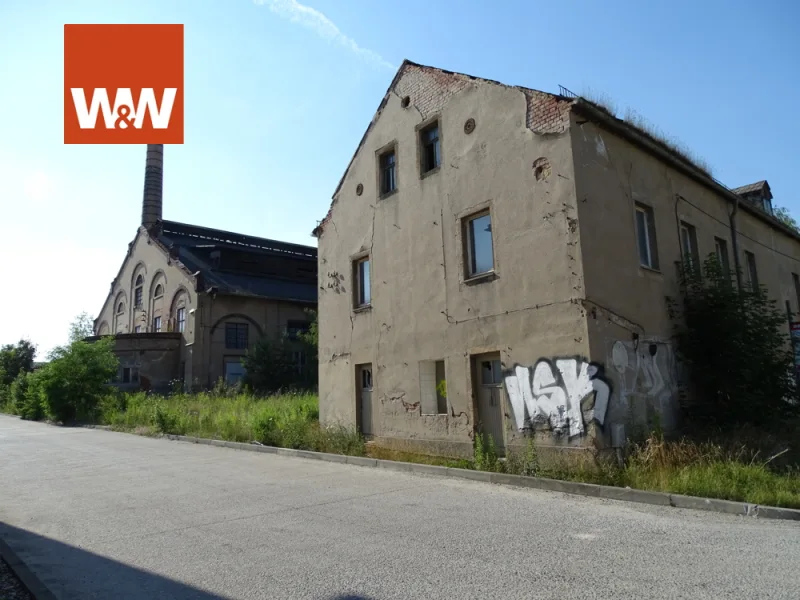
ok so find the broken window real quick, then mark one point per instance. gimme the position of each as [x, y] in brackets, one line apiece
[480, 254]
[236, 336]
[388, 172]
[433, 387]
[362, 277]
[430, 148]
[646, 236]
[491, 372]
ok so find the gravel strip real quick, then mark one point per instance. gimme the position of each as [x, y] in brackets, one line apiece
[11, 588]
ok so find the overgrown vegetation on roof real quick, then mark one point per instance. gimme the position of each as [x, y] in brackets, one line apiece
[633, 118]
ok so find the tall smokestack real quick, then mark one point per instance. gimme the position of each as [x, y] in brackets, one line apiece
[153, 185]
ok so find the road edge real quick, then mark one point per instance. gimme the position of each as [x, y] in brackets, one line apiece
[553, 485]
[29, 579]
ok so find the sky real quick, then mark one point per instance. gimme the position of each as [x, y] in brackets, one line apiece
[279, 92]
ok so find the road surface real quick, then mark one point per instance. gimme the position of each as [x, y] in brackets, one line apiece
[104, 515]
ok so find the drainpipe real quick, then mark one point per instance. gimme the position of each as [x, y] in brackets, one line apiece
[678, 198]
[735, 243]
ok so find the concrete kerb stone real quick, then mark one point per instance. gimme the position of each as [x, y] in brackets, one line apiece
[32, 583]
[552, 485]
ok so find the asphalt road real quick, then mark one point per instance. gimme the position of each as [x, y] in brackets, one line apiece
[106, 515]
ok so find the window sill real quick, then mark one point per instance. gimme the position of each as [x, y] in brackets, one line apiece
[361, 309]
[481, 278]
[388, 195]
[647, 269]
[433, 171]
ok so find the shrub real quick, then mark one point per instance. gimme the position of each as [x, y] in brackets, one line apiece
[75, 380]
[26, 397]
[733, 343]
[522, 463]
[485, 453]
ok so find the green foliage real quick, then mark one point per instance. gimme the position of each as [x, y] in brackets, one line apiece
[441, 388]
[81, 328]
[485, 453]
[14, 359]
[74, 381]
[524, 463]
[735, 347]
[782, 214]
[311, 337]
[26, 396]
[272, 365]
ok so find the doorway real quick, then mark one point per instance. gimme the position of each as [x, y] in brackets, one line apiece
[487, 377]
[364, 398]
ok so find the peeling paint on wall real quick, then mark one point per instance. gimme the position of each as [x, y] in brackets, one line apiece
[553, 395]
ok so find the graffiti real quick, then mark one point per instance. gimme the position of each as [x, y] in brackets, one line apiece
[553, 395]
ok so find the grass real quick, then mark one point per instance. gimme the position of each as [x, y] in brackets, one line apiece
[714, 470]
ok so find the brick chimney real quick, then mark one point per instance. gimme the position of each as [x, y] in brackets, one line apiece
[153, 185]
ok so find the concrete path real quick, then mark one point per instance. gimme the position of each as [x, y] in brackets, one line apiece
[101, 515]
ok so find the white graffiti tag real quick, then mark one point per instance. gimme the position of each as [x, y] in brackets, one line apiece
[554, 396]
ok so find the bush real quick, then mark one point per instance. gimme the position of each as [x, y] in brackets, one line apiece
[734, 345]
[485, 453]
[75, 380]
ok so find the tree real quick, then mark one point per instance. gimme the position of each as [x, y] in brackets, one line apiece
[782, 214]
[14, 359]
[735, 347]
[74, 381]
[81, 327]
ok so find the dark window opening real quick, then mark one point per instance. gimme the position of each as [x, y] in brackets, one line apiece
[295, 328]
[431, 153]
[363, 289]
[480, 254]
[236, 336]
[388, 173]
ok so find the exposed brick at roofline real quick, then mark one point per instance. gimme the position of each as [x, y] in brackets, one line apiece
[430, 89]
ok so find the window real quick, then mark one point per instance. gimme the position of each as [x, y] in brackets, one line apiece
[137, 292]
[181, 318]
[234, 370]
[388, 172]
[236, 336]
[689, 245]
[480, 254]
[137, 329]
[796, 279]
[295, 328]
[159, 291]
[429, 145]
[491, 372]
[366, 378]
[767, 206]
[752, 273]
[363, 289]
[120, 308]
[722, 254]
[646, 236]
[299, 360]
[156, 323]
[433, 387]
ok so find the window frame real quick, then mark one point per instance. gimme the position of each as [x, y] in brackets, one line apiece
[423, 146]
[389, 149]
[180, 322]
[752, 269]
[158, 292]
[360, 302]
[689, 234]
[650, 238]
[796, 281]
[721, 250]
[138, 292]
[470, 264]
[157, 324]
[238, 327]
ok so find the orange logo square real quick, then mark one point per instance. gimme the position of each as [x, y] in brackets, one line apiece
[123, 84]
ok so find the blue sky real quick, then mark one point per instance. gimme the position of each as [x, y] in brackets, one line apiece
[279, 92]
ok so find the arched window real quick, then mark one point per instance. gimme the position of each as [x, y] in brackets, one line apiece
[120, 308]
[159, 291]
[137, 292]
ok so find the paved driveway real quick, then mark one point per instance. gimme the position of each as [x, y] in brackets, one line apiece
[113, 516]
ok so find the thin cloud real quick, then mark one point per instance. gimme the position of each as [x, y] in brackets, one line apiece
[321, 25]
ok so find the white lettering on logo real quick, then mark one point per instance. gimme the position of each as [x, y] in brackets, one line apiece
[122, 116]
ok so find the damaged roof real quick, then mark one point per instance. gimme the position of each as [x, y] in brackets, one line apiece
[254, 270]
[758, 186]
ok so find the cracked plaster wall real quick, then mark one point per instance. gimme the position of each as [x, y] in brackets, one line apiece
[421, 307]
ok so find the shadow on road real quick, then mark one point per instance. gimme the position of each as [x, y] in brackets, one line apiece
[72, 573]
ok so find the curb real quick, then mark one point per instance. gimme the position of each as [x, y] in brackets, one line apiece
[552, 485]
[31, 582]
